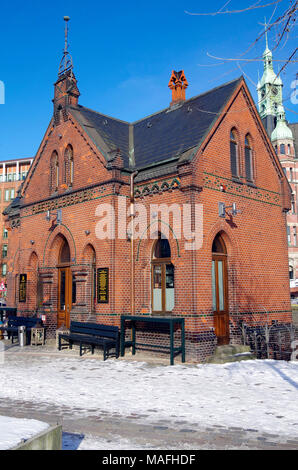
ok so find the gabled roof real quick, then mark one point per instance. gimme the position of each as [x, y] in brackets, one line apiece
[160, 137]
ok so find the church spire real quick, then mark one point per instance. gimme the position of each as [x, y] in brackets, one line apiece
[66, 61]
[66, 90]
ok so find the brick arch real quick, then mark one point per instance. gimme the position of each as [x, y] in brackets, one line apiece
[227, 234]
[33, 260]
[145, 246]
[54, 243]
[88, 253]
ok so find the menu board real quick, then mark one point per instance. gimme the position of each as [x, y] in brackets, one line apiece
[23, 288]
[102, 285]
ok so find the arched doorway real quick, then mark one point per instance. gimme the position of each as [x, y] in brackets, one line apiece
[66, 286]
[220, 290]
[163, 288]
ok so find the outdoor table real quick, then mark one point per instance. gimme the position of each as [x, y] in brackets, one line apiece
[170, 321]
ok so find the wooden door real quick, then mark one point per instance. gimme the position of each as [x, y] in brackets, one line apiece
[220, 298]
[64, 296]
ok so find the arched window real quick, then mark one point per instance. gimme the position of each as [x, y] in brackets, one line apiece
[234, 154]
[248, 159]
[54, 172]
[68, 166]
[163, 289]
[291, 273]
[282, 149]
[64, 255]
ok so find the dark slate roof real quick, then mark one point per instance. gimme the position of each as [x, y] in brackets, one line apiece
[294, 129]
[107, 133]
[160, 137]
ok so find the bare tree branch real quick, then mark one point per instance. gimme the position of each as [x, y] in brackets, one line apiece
[219, 12]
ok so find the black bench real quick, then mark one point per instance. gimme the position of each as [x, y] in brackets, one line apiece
[14, 323]
[7, 312]
[93, 334]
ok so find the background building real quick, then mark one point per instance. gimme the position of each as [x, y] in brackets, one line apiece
[284, 137]
[12, 174]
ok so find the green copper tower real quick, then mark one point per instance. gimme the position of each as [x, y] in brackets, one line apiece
[269, 91]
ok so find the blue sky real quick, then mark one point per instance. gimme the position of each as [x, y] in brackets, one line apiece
[123, 54]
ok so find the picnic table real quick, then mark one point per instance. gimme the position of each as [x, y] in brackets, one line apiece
[171, 322]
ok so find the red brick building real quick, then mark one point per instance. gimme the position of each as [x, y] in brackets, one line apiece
[12, 174]
[199, 152]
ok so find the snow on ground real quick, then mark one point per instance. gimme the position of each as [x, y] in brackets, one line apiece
[257, 394]
[89, 442]
[13, 430]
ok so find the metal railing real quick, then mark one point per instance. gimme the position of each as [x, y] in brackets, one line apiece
[270, 341]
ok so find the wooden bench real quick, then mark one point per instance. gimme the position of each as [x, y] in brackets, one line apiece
[92, 334]
[12, 328]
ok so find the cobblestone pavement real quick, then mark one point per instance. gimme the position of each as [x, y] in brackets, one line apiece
[162, 434]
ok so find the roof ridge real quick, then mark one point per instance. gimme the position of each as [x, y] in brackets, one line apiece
[190, 99]
[79, 107]
[160, 111]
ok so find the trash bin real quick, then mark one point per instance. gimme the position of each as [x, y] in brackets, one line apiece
[22, 335]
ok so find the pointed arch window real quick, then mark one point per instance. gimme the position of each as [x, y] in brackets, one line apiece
[68, 166]
[234, 153]
[54, 172]
[248, 159]
[163, 282]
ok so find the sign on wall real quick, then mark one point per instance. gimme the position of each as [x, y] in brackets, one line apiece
[102, 285]
[23, 288]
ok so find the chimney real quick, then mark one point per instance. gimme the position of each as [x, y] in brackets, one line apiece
[177, 84]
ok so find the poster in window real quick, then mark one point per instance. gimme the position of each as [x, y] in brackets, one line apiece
[103, 285]
[23, 288]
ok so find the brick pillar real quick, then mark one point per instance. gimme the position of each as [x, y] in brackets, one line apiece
[47, 278]
[49, 301]
[80, 275]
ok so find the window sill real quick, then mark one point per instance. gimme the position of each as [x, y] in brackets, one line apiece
[235, 179]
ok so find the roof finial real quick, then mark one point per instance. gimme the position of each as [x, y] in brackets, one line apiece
[266, 33]
[66, 61]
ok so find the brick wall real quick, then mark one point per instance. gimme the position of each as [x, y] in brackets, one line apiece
[258, 285]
